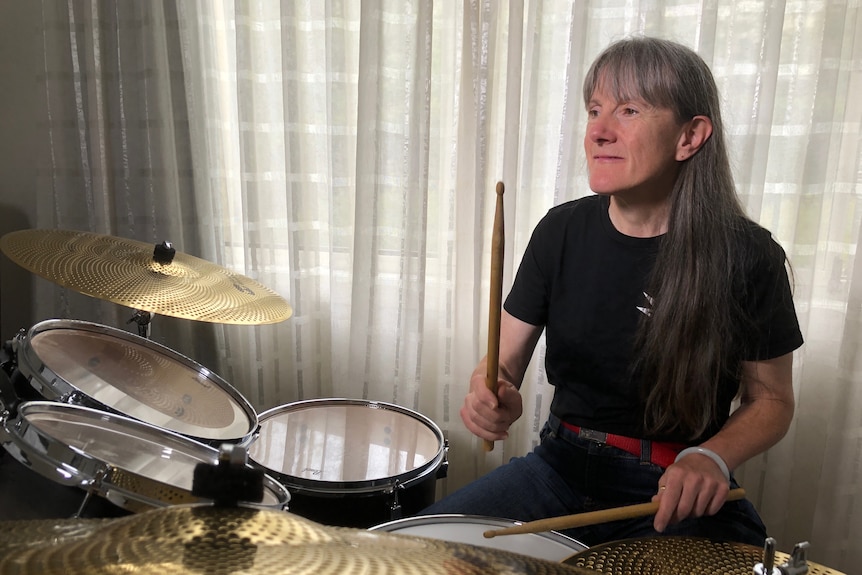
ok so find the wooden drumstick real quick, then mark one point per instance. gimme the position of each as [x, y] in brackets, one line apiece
[592, 517]
[498, 243]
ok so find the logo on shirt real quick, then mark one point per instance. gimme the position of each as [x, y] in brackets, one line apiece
[646, 309]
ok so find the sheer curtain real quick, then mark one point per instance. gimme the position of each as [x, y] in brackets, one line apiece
[345, 154]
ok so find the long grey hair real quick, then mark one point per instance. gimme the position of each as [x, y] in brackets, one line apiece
[686, 346]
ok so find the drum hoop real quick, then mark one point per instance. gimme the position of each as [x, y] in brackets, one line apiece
[74, 466]
[445, 518]
[402, 480]
[32, 366]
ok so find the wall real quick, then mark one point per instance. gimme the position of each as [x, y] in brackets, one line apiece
[21, 136]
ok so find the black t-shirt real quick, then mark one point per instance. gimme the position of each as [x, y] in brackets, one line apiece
[586, 282]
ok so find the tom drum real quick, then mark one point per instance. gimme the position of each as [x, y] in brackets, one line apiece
[351, 463]
[134, 465]
[92, 365]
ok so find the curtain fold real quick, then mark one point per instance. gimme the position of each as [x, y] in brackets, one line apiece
[345, 154]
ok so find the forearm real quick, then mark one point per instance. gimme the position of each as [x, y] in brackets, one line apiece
[764, 415]
[517, 342]
[752, 429]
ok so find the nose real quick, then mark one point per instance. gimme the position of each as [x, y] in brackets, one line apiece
[600, 128]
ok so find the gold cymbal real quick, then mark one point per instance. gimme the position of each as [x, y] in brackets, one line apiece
[126, 272]
[240, 541]
[673, 555]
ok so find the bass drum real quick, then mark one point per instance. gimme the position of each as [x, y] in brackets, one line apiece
[351, 463]
[133, 465]
[470, 529]
[92, 365]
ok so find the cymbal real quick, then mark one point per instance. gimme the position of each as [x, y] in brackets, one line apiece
[672, 555]
[126, 272]
[239, 541]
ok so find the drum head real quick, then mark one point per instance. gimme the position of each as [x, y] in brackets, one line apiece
[337, 444]
[551, 546]
[105, 368]
[129, 462]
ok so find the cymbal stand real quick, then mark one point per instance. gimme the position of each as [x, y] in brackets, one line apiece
[797, 564]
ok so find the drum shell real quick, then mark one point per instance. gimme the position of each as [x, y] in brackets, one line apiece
[352, 501]
[151, 368]
[133, 465]
[469, 529]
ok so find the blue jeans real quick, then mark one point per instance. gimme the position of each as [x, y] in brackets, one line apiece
[566, 474]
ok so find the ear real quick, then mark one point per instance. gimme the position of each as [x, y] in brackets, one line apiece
[694, 134]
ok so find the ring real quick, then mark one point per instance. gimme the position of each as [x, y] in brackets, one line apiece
[662, 487]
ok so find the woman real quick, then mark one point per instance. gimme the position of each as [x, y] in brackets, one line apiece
[661, 303]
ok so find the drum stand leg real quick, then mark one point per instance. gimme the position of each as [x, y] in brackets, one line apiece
[91, 490]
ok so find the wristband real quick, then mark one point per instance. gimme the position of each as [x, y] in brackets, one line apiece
[709, 453]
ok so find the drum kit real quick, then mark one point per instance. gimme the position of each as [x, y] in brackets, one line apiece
[195, 481]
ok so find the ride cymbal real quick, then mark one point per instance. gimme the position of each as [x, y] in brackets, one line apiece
[144, 276]
[240, 541]
[674, 555]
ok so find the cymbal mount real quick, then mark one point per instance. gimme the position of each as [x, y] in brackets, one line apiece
[164, 253]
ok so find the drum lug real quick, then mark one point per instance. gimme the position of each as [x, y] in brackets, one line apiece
[72, 398]
[395, 511]
[443, 470]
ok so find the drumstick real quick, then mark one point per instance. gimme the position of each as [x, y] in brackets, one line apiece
[592, 517]
[498, 243]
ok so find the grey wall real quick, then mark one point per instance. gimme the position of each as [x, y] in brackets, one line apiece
[21, 137]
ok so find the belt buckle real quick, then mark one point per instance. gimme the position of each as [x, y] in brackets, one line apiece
[593, 435]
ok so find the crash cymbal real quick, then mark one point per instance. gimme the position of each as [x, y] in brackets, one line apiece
[674, 555]
[127, 272]
[239, 541]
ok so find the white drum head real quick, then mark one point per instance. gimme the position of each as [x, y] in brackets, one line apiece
[345, 443]
[469, 529]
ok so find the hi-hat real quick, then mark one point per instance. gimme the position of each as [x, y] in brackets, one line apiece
[673, 555]
[147, 277]
[239, 541]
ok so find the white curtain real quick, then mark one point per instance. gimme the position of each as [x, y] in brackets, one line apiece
[345, 154]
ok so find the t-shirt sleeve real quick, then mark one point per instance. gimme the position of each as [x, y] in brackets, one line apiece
[529, 296]
[775, 329]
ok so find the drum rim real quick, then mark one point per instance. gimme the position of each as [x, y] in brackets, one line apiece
[402, 480]
[444, 518]
[85, 470]
[32, 366]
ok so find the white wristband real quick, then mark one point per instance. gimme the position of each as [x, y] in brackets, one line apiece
[709, 453]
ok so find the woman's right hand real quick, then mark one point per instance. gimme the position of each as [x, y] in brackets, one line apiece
[488, 416]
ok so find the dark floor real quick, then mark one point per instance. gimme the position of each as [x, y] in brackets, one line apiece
[25, 494]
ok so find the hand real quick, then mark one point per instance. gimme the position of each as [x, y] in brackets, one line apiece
[694, 486]
[489, 416]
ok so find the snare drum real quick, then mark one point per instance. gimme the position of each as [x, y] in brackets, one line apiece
[92, 365]
[132, 464]
[469, 529]
[349, 462]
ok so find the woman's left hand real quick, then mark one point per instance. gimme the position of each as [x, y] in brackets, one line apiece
[694, 486]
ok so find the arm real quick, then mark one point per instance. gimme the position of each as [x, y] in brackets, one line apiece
[695, 486]
[485, 415]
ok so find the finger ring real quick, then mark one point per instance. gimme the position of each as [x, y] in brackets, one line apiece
[662, 487]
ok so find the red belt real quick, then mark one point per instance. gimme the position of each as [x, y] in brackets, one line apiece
[662, 453]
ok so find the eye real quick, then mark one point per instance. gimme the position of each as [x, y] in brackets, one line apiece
[629, 111]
